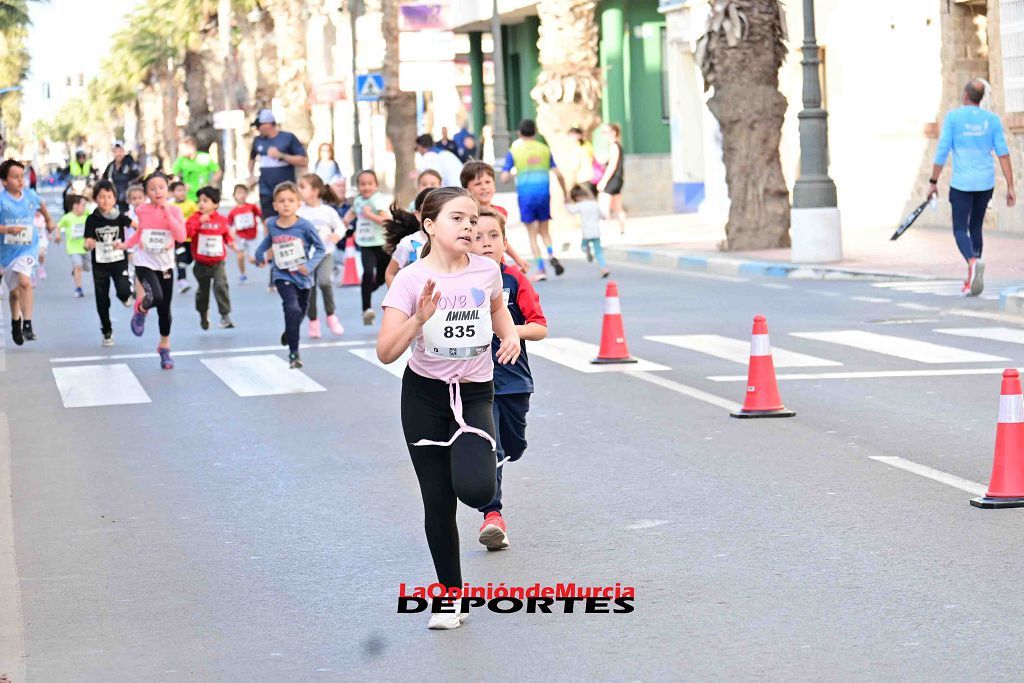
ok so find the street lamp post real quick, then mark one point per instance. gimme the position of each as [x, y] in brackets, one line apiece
[499, 131]
[355, 8]
[814, 225]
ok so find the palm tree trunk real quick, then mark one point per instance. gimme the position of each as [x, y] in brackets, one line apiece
[292, 79]
[568, 90]
[200, 118]
[401, 111]
[750, 111]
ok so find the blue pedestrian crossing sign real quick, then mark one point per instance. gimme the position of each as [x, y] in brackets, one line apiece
[369, 87]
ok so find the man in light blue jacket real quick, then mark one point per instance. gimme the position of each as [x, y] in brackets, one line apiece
[972, 134]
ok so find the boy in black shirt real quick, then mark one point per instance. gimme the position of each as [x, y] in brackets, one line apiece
[103, 228]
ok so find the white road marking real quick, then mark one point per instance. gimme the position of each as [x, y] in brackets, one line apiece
[872, 299]
[577, 355]
[12, 642]
[935, 287]
[646, 524]
[900, 347]
[946, 478]
[918, 307]
[203, 352]
[689, 391]
[867, 375]
[84, 386]
[260, 376]
[738, 350]
[824, 292]
[397, 368]
[1003, 334]
[772, 285]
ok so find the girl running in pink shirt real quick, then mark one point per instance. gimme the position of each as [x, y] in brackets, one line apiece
[160, 226]
[448, 302]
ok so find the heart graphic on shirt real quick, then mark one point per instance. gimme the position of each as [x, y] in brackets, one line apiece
[478, 297]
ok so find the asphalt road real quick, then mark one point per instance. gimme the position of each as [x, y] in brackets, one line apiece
[204, 534]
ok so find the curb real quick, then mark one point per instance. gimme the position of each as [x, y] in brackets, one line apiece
[723, 265]
[1011, 300]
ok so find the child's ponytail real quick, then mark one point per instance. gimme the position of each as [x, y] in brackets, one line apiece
[402, 223]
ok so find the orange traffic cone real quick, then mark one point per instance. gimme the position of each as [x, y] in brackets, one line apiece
[350, 277]
[1006, 487]
[762, 391]
[613, 336]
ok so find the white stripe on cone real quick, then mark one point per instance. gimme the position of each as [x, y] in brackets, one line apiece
[611, 306]
[760, 346]
[1011, 409]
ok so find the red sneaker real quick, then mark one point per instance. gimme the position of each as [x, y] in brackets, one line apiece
[492, 532]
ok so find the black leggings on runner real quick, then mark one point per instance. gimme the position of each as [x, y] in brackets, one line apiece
[102, 275]
[157, 288]
[375, 265]
[447, 474]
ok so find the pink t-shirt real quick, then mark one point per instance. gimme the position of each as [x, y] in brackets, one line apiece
[458, 324]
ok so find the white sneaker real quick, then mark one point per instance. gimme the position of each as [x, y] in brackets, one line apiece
[978, 278]
[445, 622]
[368, 316]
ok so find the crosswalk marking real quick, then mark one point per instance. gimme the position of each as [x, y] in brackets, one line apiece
[577, 355]
[260, 376]
[936, 287]
[86, 386]
[946, 478]
[738, 351]
[900, 347]
[1003, 334]
[871, 374]
[202, 352]
[370, 356]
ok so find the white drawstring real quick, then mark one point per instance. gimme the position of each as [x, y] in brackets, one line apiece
[455, 403]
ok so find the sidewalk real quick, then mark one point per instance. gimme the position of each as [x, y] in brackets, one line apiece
[689, 242]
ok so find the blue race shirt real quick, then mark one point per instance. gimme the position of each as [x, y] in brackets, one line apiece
[972, 134]
[308, 240]
[21, 212]
[524, 306]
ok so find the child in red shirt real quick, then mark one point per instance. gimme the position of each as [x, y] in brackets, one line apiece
[244, 220]
[210, 237]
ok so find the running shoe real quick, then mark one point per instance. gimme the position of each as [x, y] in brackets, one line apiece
[978, 277]
[590, 254]
[369, 316]
[27, 331]
[204, 320]
[559, 268]
[16, 332]
[138, 320]
[79, 293]
[183, 286]
[605, 273]
[445, 621]
[166, 362]
[335, 326]
[127, 303]
[108, 338]
[41, 271]
[492, 532]
[242, 279]
[294, 362]
[225, 322]
[539, 277]
[314, 329]
[284, 338]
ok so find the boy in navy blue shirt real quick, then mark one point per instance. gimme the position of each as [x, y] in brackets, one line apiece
[513, 383]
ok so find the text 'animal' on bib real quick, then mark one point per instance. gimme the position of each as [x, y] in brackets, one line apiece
[460, 328]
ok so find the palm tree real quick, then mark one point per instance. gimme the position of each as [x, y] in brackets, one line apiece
[401, 110]
[740, 56]
[290, 18]
[14, 56]
[13, 14]
[568, 90]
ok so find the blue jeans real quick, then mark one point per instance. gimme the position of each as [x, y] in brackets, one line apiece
[295, 302]
[595, 246]
[968, 218]
[509, 434]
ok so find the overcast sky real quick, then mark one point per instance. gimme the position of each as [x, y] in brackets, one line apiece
[67, 37]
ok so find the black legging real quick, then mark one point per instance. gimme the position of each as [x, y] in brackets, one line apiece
[294, 303]
[102, 275]
[158, 288]
[463, 471]
[183, 258]
[375, 265]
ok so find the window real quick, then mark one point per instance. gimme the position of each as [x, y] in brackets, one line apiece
[663, 33]
[1011, 33]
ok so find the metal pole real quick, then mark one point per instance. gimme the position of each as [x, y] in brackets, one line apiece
[499, 131]
[814, 188]
[224, 16]
[355, 8]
